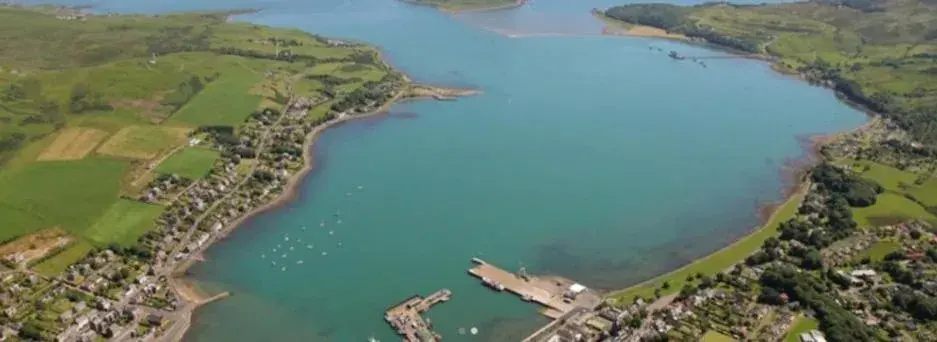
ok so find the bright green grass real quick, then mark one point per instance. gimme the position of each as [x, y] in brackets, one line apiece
[124, 223]
[225, 101]
[715, 336]
[801, 325]
[718, 261]
[889, 177]
[891, 208]
[926, 193]
[880, 249]
[59, 262]
[190, 162]
[66, 194]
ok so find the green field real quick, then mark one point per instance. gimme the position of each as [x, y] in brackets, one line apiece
[715, 336]
[57, 263]
[891, 208]
[880, 249]
[225, 101]
[190, 162]
[124, 222]
[67, 194]
[801, 325]
[718, 261]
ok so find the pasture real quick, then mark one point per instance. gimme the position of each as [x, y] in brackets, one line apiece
[143, 142]
[190, 162]
[891, 208]
[72, 143]
[66, 194]
[226, 101]
[124, 222]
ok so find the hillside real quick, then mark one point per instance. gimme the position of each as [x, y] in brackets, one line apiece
[97, 111]
[878, 53]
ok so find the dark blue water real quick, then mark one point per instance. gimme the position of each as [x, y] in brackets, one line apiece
[589, 156]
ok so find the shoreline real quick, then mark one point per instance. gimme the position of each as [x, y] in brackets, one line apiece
[795, 169]
[187, 288]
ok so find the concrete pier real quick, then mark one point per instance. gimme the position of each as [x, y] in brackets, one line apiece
[406, 319]
[557, 295]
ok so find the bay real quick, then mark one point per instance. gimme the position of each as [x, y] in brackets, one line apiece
[595, 157]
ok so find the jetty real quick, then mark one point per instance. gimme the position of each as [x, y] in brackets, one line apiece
[405, 317]
[557, 295]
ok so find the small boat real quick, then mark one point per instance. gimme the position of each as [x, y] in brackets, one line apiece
[360, 187]
[474, 331]
[676, 56]
[299, 262]
[308, 246]
[372, 339]
[263, 256]
[322, 224]
[325, 253]
[331, 232]
[291, 247]
[283, 268]
[339, 221]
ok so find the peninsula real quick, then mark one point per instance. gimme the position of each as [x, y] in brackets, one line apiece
[131, 143]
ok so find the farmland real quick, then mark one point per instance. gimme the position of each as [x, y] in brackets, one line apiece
[96, 108]
[124, 222]
[216, 106]
[190, 162]
[143, 142]
[44, 194]
[73, 143]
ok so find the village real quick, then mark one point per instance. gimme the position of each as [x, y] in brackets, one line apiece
[133, 293]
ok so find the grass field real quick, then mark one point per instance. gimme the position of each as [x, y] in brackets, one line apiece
[891, 208]
[715, 336]
[718, 261]
[226, 101]
[72, 143]
[59, 262]
[124, 222]
[143, 142]
[190, 162]
[880, 249]
[801, 325]
[66, 194]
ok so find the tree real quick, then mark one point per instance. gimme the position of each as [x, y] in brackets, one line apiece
[812, 260]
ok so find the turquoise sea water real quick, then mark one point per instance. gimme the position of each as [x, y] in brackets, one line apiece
[589, 156]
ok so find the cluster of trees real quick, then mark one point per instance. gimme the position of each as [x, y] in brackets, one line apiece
[919, 305]
[857, 192]
[664, 16]
[82, 99]
[836, 322]
[184, 92]
[369, 94]
[222, 135]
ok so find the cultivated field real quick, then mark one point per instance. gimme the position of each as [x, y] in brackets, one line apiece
[190, 162]
[124, 222]
[226, 101]
[143, 142]
[72, 143]
[66, 194]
